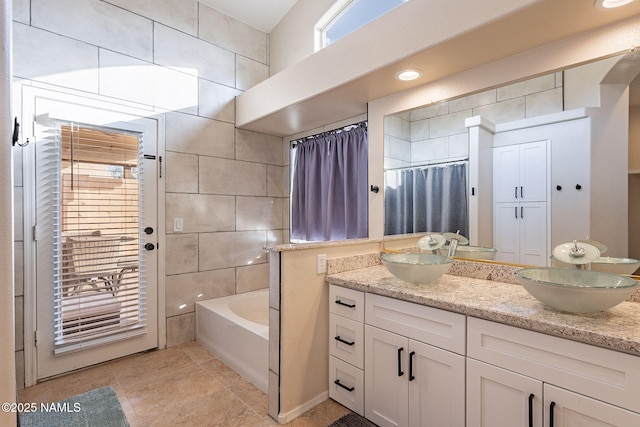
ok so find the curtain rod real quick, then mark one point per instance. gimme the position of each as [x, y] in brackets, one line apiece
[328, 132]
[444, 162]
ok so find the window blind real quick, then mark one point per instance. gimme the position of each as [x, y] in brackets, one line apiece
[99, 292]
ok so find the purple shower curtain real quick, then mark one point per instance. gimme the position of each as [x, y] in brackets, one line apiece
[329, 197]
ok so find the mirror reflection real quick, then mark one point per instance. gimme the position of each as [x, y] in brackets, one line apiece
[522, 167]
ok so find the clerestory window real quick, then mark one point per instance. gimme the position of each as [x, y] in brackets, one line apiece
[346, 16]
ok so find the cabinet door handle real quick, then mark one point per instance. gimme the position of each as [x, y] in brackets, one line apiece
[345, 304]
[551, 408]
[521, 211]
[531, 410]
[339, 384]
[521, 195]
[515, 189]
[516, 211]
[349, 343]
[411, 377]
[400, 350]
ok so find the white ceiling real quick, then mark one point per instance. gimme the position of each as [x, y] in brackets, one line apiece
[261, 14]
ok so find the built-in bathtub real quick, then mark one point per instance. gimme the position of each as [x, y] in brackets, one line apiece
[235, 329]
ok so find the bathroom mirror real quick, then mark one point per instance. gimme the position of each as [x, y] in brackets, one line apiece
[428, 147]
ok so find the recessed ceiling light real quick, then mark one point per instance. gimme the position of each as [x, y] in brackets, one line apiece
[408, 74]
[611, 4]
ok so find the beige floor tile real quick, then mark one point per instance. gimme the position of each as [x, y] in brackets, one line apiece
[182, 385]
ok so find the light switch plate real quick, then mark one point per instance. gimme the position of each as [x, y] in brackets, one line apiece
[321, 262]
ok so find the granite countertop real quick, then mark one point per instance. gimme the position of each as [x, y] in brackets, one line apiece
[617, 328]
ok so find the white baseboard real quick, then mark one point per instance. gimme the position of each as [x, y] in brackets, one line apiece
[286, 417]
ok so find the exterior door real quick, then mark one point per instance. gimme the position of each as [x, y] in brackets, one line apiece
[95, 235]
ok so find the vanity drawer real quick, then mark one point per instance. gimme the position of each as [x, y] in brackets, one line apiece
[346, 385]
[346, 302]
[346, 340]
[433, 326]
[604, 374]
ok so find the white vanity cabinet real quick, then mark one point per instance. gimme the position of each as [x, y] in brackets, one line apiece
[413, 376]
[346, 347]
[520, 202]
[517, 377]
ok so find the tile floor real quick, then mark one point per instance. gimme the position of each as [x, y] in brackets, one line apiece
[179, 386]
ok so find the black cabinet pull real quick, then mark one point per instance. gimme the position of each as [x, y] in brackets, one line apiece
[515, 189]
[521, 211]
[531, 410]
[551, 408]
[345, 304]
[411, 377]
[344, 342]
[400, 350]
[521, 195]
[516, 211]
[339, 384]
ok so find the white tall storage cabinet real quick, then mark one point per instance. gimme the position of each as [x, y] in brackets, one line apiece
[520, 202]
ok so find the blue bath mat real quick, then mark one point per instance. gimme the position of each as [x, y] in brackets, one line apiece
[95, 408]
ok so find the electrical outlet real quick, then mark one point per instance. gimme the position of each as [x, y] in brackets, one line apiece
[321, 264]
[178, 224]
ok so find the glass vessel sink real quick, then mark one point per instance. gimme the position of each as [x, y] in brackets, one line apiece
[576, 291]
[471, 252]
[615, 265]
[416, 267]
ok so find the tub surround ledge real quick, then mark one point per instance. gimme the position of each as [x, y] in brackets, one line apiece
[507, 303]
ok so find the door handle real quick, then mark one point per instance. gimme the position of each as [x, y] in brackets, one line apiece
[551, 409]
[148, 230]
[516, 211]
[400, 350]
[531, 410]
[515, 189]
[521, 195]
[411, 377]
[149, 246]
[349, 343]
[339, 384]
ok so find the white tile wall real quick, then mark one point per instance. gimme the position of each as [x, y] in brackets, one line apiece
[37, 53]
[258, 213]
[222, 176]
[21, 11]
[190, 62]
[191, 55]
[191, 134]
[181, 173]
[181, 15]
[223, 250]
[184, 290]
[201, 213]
[217, 101]
[249, 72]
[228, 33]
[437, 131]
[258, 147]
[252, 277]
[98, 23]
[124, 77]
[182, 253]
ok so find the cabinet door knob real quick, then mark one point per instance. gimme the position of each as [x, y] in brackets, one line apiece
[578, 187]
[558, 187]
